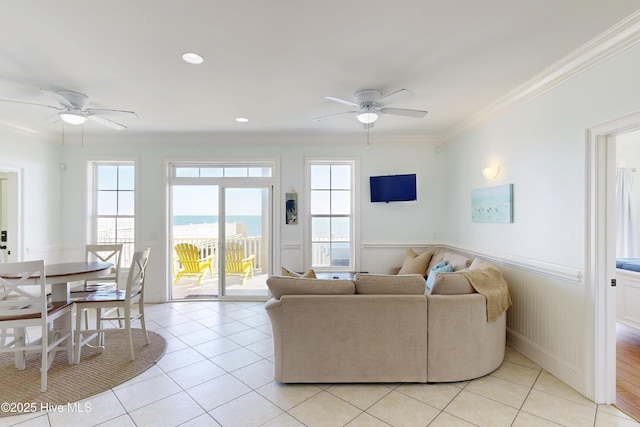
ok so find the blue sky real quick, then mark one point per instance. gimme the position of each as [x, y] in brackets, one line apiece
[203, 200]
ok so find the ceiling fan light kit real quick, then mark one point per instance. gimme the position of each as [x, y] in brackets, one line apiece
[367, 117]
[73, 118]
[371, 103]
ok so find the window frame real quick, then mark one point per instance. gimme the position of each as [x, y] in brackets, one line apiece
[93, 215]
[353, 216]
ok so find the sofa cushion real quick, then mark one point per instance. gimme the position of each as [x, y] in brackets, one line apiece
[443, 267]
[416, 263]
[282, 285]
[454, 283]
[310, 274]
[385, 284]
[458, 261]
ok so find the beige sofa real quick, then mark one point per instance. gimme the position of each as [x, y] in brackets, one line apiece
[384, 328]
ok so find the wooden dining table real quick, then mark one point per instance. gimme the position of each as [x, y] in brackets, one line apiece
[61, 274]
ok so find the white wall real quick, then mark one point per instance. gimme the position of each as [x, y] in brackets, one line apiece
[35, 158]
[541, 147]
[385, 230]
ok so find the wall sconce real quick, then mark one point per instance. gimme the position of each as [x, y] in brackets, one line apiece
[491, 172]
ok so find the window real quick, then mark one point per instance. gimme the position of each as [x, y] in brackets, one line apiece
[114, 206]
[331, 214]
[252, 171]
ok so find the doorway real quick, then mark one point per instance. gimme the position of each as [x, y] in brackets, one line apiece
[600, 267]
[627, 147]
[10, 225]
[220, 233]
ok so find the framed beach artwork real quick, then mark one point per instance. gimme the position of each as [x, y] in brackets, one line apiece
[291, 208]
[492, 204]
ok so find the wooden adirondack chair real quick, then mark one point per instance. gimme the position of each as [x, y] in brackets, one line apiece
[236, 263]
[190, 264]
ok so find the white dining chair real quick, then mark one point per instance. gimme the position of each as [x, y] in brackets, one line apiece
[23, 304]
[101, 253]
[113, 302]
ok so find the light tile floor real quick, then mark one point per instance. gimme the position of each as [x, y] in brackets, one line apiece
[217, 371]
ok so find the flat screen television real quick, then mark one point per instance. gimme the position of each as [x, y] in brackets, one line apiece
[393, 188]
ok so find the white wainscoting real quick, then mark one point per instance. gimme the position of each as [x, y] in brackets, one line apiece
[628, 298]
[52, 254]
[386, 257]
[291, 256]
[547, 323]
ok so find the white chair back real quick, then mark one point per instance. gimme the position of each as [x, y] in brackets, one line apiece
[106, 253]
[22, 289]
[137, 274]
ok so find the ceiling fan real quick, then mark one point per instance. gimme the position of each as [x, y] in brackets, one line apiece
[74, 109]
[370, 104]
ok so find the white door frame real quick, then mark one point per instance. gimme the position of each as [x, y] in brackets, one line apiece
[14, 214]
[600, 296]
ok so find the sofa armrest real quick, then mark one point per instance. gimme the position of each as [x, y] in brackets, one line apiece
[273, 307]
[462, 344]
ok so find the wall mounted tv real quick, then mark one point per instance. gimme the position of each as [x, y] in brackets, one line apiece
[393, 188]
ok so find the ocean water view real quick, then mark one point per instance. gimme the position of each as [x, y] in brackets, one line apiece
[252, 223]
[337, 229]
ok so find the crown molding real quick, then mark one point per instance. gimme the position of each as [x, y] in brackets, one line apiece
[608, 44]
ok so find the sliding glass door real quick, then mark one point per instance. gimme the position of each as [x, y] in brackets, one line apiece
[220, 232]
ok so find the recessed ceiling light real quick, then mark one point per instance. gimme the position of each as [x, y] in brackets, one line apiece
[242, 119]
[192, 58]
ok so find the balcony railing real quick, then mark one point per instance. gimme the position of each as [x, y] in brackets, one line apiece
[208, 246]
[332, 252]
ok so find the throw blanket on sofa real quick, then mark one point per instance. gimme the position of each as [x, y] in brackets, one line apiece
[490, 283]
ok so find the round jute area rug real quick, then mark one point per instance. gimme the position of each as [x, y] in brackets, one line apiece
[66, 383]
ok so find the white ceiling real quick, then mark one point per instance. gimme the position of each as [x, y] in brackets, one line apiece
[272, 61]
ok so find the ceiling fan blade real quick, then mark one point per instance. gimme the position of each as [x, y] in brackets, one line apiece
[393, 97]
[55, 118]
[110, 112]
[335, 115]
[30, 103]
[341, 101]
[106, 122]
[59, 98]
[404, 112]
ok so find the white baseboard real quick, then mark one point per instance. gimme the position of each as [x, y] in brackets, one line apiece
[569, 375]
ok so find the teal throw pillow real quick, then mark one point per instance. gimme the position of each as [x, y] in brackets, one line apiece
[441, 267]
